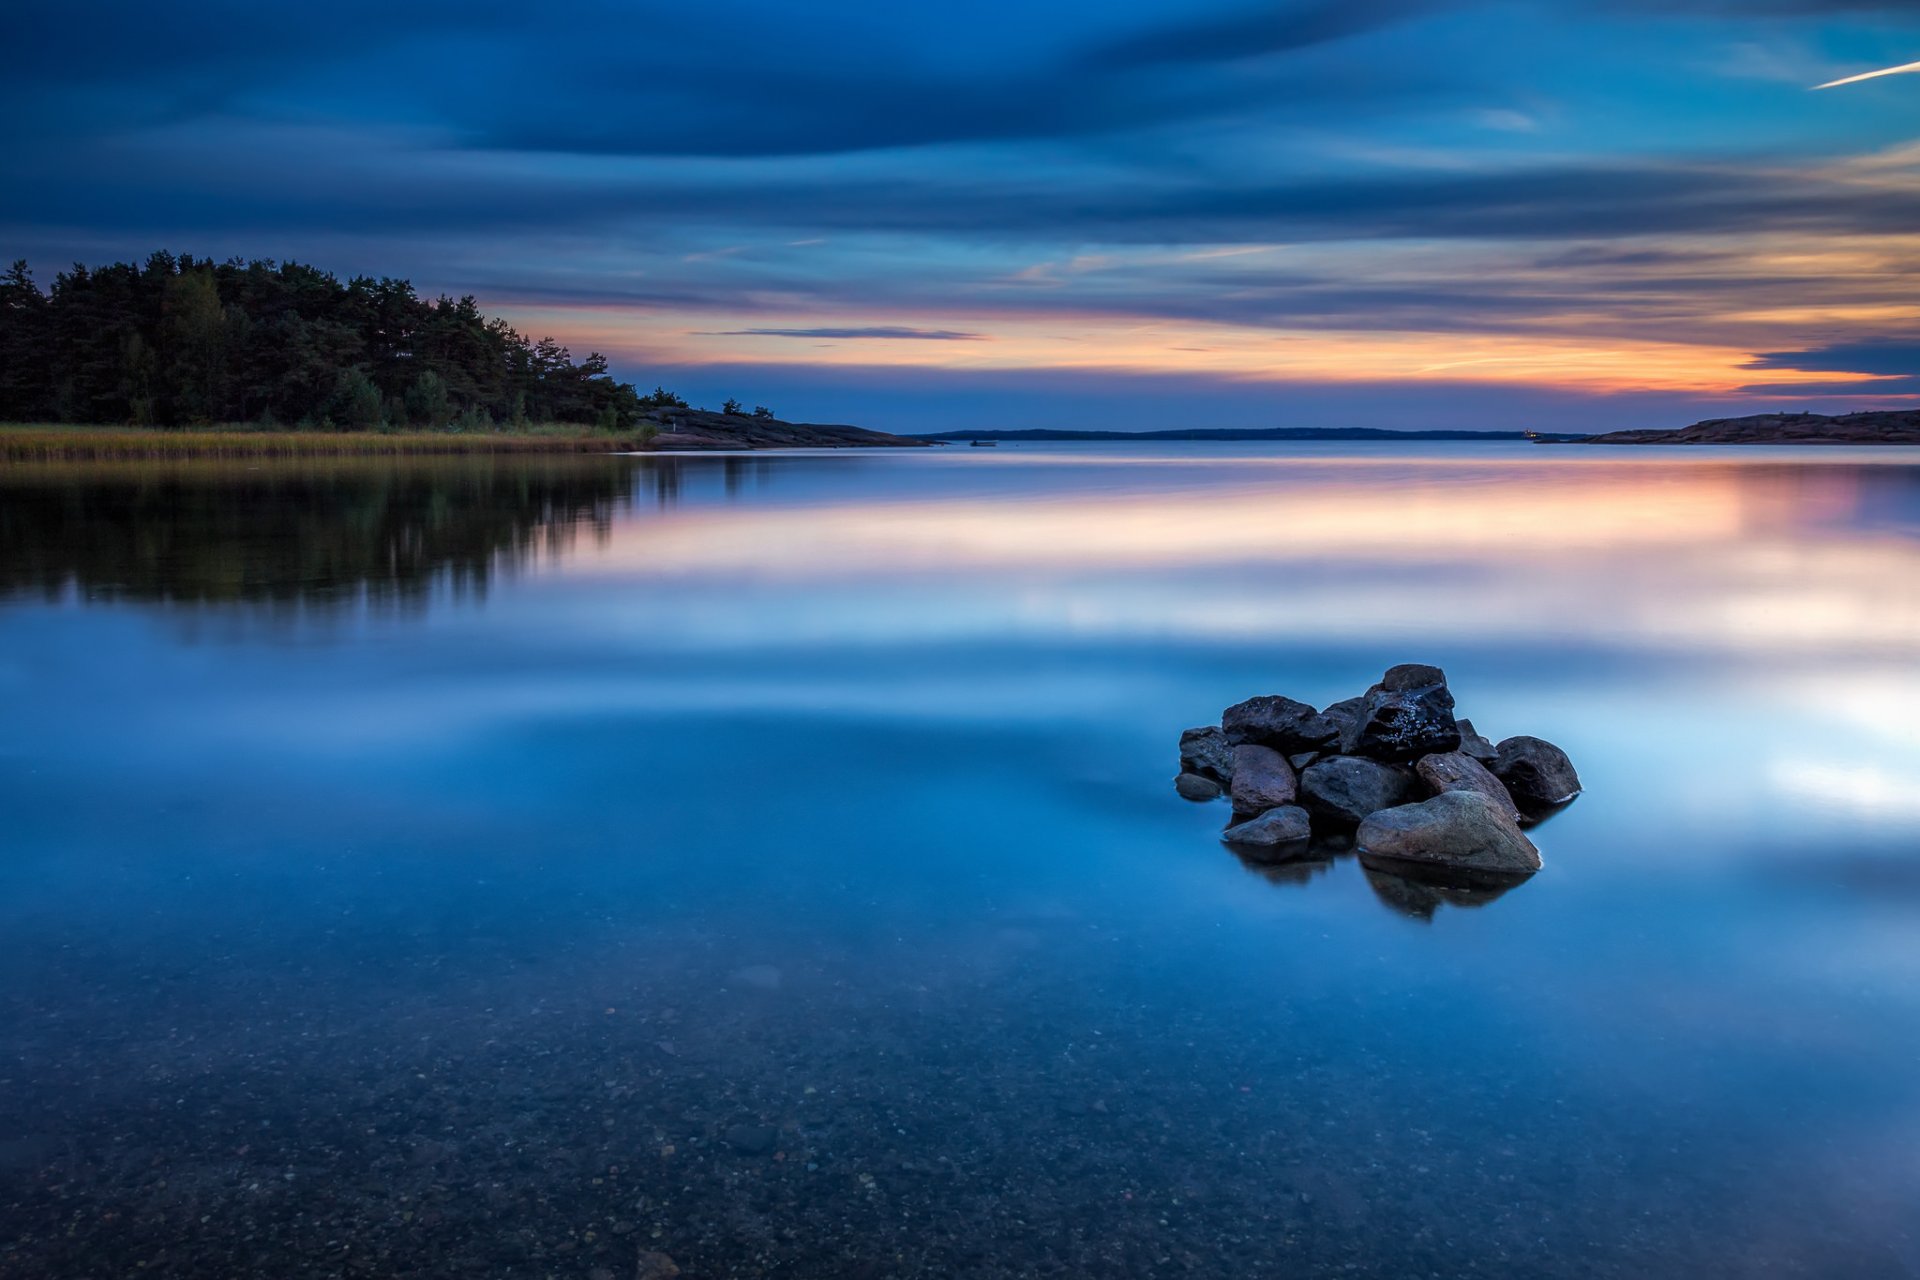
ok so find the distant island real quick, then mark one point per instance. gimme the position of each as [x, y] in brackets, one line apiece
[1887, 426]
[1240, 433]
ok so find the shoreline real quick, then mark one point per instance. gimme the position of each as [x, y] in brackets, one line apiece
[76, 443]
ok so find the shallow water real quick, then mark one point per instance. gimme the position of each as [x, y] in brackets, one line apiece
[505, 867]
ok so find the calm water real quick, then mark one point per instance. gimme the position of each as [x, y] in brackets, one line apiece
[501, 868]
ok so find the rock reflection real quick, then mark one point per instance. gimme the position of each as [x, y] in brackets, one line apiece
[1406, 889]
[1420, 892]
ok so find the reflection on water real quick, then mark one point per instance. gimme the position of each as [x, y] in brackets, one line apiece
[311, 530]
[775, 866]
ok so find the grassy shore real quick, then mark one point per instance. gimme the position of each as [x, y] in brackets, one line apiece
[34, 442]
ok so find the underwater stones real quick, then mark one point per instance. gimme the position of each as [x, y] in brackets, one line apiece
[1458, 771]
[1193, 786]
[1460, 830]
[1262, 779]
[1282, 827]
[752, 1139]
[1280, 723]
[1537, 774]
[1342, 790]
[654, 1265]
[1208, 752]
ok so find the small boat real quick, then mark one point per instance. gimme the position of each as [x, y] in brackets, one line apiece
[986, 444]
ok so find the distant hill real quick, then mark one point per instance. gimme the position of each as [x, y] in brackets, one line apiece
[1241, 433]
[1892, 426]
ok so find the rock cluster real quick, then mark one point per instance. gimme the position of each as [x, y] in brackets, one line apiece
[1412, 785]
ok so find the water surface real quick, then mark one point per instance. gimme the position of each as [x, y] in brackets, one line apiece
[501, 867]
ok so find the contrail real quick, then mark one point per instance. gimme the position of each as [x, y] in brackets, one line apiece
[1871, 75]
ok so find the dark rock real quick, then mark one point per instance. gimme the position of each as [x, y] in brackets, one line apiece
[1407, 715]
[1474, 744]
[752, 1139]
[1302, 760]
[1411, 676]
[1207, 752]
[1456, 829]
[1262, 779]
[1287, 825]
[1344, 715]
[1537, 774]
[1192, 786]
[1458, 771]
[1341, 790]
[1280, 723]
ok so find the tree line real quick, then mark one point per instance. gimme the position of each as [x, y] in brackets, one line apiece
[181, 341]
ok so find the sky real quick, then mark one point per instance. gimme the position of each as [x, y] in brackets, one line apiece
[1139, 214]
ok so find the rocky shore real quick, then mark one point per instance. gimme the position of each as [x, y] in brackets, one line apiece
[1420, 793]
[1895, 426]
[700, 429]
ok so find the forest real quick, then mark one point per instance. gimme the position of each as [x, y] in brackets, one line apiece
[181, 342]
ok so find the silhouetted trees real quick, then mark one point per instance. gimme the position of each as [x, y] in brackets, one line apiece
[181, 341]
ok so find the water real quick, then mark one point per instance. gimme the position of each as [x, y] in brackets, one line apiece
[505, 868]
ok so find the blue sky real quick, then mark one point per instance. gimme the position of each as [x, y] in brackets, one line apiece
[1133, 213]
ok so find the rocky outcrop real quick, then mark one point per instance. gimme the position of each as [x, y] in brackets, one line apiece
[1886, 426]
[1262, 779]
[1458, 771]
[1460, 830]
[1392, 770]
[1474, 743]
[1537, 775]
[1281, 723]
[1286, 825]
[1343, 790]
[1407, 715]
[699, 429]
[1207, 752]
[1194, 786]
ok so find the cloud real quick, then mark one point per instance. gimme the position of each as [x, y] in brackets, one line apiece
[1255, 33]
[1899, 356]
[868, 331]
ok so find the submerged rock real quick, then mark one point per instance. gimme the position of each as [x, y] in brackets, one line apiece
[1285, 826]
[1207, 752]
[1407, 715]
[1302, 759]
[1475, 744]
[655, 1266]
[1192, 786]
[1262, 779]
[1463, 830]
[1537, 774]
[752, 1139]
[1342, 790]
[1281, 723]
[1458, 771]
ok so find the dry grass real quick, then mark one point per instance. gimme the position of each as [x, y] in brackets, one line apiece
[40, 442]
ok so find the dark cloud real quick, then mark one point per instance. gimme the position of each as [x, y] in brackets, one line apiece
[1899, 356]
[868, 331]
[1257, 32]
[1885, 367]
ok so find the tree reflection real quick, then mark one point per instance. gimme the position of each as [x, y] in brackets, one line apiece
[311, 532]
